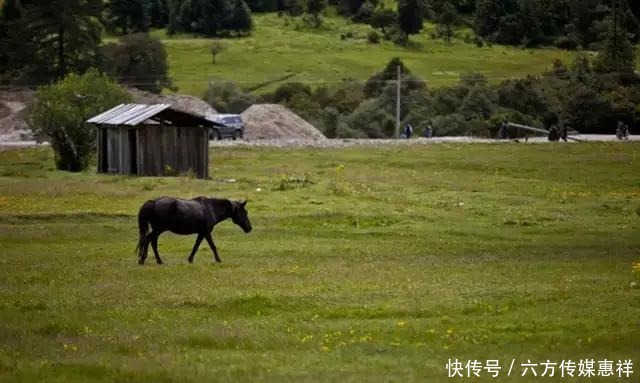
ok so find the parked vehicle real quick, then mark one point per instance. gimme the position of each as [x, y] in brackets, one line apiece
[232, 127]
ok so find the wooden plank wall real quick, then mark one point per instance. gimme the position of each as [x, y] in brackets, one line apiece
[118, 150]
[173, 150]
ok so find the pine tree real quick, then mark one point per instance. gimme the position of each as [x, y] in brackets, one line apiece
[49, 39]
[211, 16]
[159, 13]
[315, 8]
[487, 16]
[240, 17]
[530, 23]
[410, 15]
[446, 19]
[617, 55]
[130, 15]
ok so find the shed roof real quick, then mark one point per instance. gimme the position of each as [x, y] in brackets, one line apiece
[136, 114]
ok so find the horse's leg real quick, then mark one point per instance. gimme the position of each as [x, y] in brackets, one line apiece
[195, 247]
[144, 251]
[154, 244]
[212, 246]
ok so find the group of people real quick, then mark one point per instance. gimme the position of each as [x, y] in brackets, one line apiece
[555, 133]
[407, 132]
[622, 131]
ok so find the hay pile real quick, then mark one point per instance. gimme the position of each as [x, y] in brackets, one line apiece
[272, 121]
[182, 102]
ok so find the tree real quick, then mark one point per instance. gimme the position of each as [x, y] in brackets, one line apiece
[530, 24]
[383, 18]
[239, 19]
[410, 14]
[315, 8]
[138, 60]
[48, 39]
[487, 16]
[350, 7]
[130, 15]
[159, 13]
[60, 111]
[216, 47]
[447, 17]
[617, 55]
[210, 17]
[13, 53]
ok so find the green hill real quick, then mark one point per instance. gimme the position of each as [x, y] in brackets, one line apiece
[281, 48]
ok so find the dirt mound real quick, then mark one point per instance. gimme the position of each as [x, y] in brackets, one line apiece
[5, 111]
[13, 114]
[272, 121]
[180, 102]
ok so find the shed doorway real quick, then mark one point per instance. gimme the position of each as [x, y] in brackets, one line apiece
[104, 158]
[133, 151]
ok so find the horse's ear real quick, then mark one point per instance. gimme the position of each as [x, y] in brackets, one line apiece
[243, 202]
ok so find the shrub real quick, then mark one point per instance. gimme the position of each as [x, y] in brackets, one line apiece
[373, 37]
[567, 42]
[289, 91]
[60, 111]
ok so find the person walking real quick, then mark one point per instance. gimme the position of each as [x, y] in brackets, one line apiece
[428, 132]
[563, 132]
[408, 131]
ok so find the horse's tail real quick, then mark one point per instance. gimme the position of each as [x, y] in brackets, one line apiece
[144, 215]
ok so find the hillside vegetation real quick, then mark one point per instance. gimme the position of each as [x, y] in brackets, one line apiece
[353, 272]
[277, 50]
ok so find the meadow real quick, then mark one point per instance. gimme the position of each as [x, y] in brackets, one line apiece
[374, 264]
[283, 49]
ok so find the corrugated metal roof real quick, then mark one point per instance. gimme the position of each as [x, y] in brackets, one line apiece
[128, 114]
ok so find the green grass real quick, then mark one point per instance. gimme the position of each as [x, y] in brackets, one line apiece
[277, 49]
[380, 267]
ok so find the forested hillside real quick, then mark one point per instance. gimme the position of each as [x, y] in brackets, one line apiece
[467, 65]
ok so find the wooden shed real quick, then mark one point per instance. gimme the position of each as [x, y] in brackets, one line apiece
[152, 140]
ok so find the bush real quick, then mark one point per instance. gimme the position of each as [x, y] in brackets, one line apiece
[567, 42]
[138, 60]
[60, 111]
[373, 37]
[397, 36]
[372, 120]
[227, 97]
[289, 91]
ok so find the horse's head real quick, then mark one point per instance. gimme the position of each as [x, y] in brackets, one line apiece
[239, 215]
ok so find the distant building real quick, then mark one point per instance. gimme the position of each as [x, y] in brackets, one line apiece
[152, 140]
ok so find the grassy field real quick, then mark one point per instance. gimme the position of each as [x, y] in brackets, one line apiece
[365, 264]
[280, 49]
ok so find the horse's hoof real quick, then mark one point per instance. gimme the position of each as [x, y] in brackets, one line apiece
[190, 260]
[140, 262]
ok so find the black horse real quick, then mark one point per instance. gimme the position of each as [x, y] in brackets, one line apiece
[180, 216]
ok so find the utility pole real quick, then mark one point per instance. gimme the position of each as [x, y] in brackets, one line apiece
[616, 58]
[398, 82]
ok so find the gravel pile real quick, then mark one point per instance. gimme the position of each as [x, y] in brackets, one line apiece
[275, 122]
[182, 102]
[13, 117]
